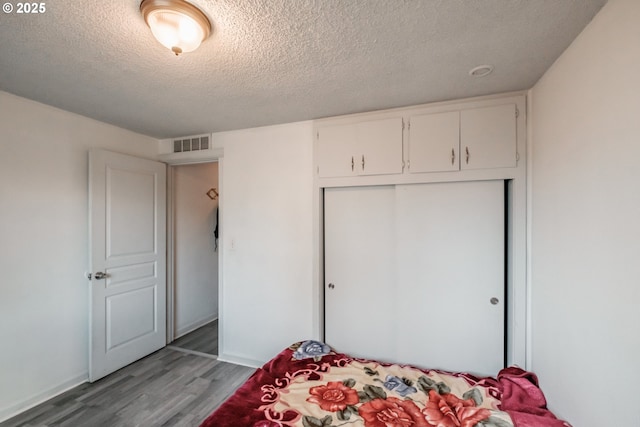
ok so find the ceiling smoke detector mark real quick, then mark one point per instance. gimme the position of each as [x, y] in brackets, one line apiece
[481, 71]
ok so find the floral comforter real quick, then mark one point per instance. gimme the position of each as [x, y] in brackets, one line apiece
[310, 385]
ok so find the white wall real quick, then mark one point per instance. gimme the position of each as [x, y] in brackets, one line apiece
[266, 230]
[586, 223]
[196, 261]
[43, 245]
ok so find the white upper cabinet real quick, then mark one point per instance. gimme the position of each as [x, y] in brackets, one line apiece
[366, 148]
[460, 137]
[488, 137]
[380, 142]
[434, 142]
[479, 138]
[337, 147]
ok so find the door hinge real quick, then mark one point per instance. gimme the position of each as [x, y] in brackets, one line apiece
[517, 157]
[318, 135]
[517, 113]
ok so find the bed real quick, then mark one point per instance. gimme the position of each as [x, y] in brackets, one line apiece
[311, 385]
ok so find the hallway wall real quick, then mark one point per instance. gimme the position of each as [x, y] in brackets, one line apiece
[196, 261]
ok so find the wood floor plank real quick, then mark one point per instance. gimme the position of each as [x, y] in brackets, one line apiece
[203, 339]
[167, 388]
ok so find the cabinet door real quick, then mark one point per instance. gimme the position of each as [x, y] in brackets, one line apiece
[359, 289]
[337, 147]
[488, 137]
[450, 243]
[434, 142]
[379, 147]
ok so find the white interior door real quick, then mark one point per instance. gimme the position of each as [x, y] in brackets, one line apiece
[360, 270]
[128, 260]
[450, 266]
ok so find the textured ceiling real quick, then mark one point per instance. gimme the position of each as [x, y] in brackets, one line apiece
[278, 61]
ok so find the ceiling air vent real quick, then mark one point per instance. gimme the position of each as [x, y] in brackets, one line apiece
[192, 143]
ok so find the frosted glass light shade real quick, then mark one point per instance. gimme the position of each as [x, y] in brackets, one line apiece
[176, 24]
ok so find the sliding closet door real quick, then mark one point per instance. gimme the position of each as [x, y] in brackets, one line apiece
[360, 271]
[450, 256]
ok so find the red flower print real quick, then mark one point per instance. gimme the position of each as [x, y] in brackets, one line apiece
[448, 410]
[333, 397]
[391, 412]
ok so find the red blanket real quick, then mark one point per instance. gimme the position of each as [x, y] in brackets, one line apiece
[309, 385]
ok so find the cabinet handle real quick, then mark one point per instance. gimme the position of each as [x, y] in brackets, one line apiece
[453, 156]
[467, 151]
[352, 163]
[363, 162]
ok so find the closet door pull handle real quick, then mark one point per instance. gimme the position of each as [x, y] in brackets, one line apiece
[453, 156]
[467, 151]
[98, 276]
[352, 164]
[363, 162]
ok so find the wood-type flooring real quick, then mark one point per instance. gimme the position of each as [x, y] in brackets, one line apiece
[167, 388]
[203, 339]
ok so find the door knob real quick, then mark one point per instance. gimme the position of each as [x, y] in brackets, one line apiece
[494, 300]
[331, 285]
[98, 276]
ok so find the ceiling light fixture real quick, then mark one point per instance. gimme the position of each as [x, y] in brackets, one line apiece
[176, 24]
[481, 70]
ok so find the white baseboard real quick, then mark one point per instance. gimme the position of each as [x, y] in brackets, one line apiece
[12, 411]
[193, 326]
[229, 358]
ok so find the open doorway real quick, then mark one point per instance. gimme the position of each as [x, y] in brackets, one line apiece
[195, 257]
